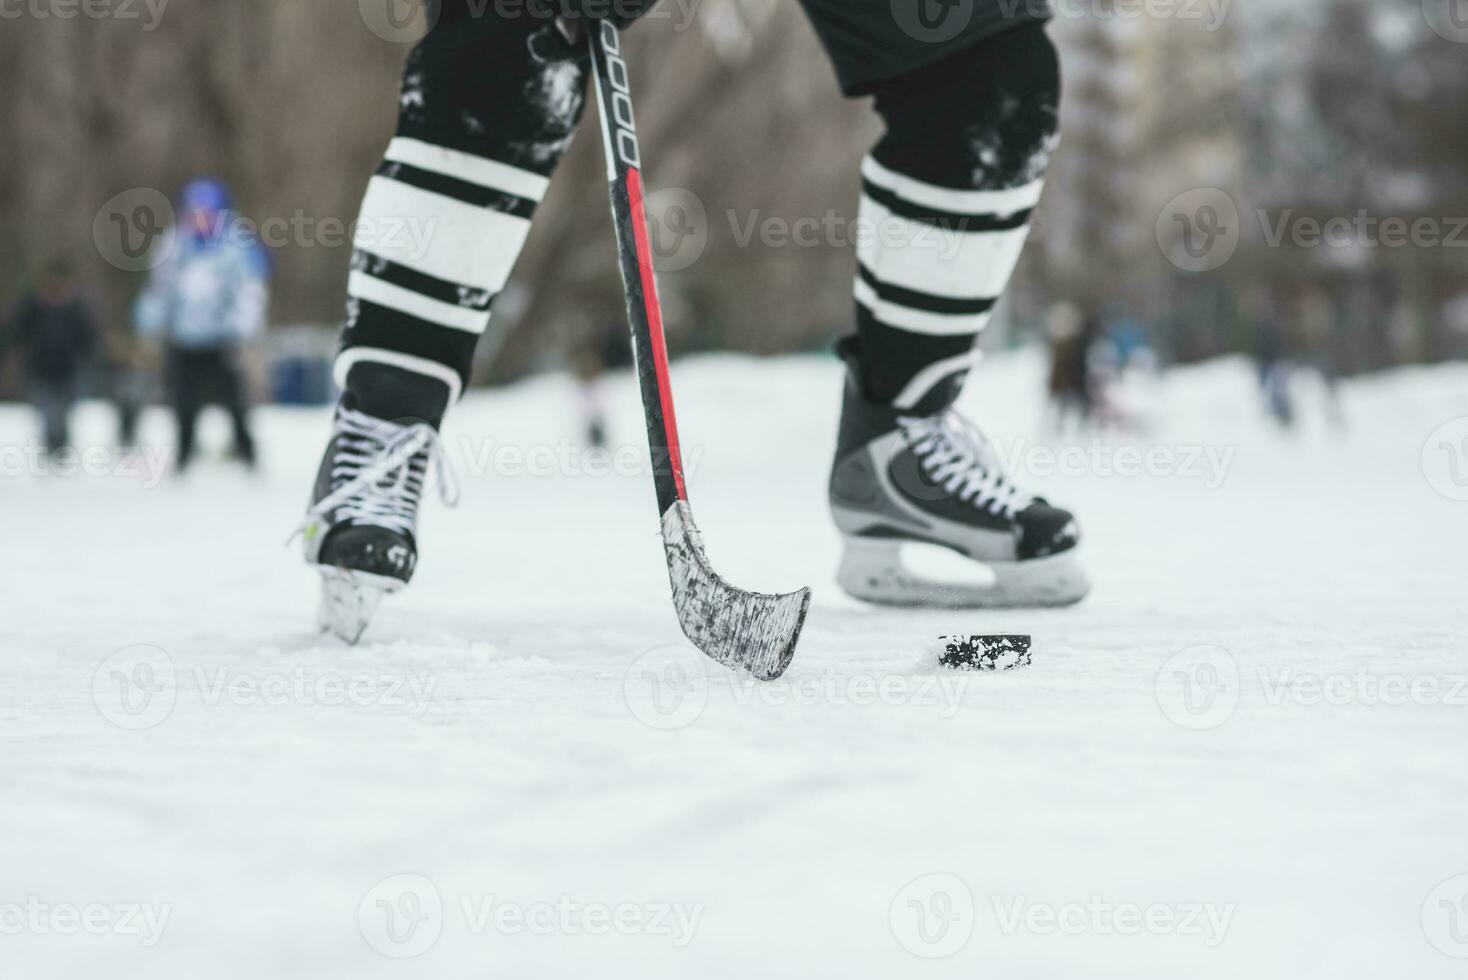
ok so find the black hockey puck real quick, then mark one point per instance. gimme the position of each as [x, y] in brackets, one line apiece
[977, 652]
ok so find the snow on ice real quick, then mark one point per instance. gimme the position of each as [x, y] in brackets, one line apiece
[1242, 756]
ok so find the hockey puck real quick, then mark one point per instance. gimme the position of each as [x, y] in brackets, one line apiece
[984, 653]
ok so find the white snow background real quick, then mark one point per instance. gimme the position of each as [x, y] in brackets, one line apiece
[1244, 755]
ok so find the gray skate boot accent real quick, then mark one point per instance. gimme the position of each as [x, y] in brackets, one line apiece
[902, 480]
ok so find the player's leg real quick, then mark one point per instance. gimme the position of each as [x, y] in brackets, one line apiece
[187, 397]
[483, 122]
[235, 399]
[949, 191]
[947, 199]
[484, 118]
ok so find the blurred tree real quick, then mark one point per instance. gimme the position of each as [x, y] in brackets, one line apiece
[746, 135]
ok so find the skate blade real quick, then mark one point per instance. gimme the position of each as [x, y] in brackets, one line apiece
[349, 600]
[890, 573]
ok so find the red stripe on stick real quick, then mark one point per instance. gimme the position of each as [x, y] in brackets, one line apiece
[655, 325]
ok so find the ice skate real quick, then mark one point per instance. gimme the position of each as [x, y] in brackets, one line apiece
[902, 484]
[361, 530]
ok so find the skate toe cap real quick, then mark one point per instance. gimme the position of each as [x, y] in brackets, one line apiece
[373, 550]
[1046, 531]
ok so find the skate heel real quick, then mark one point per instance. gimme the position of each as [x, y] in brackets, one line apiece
[871, 569]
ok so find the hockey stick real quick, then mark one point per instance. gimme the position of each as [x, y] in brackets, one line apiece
[744, 630]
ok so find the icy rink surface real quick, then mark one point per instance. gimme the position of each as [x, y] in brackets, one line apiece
[1243, 756]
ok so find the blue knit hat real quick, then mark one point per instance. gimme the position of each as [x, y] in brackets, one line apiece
[207, 194]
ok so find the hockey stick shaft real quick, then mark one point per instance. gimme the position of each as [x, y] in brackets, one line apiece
[634, 246]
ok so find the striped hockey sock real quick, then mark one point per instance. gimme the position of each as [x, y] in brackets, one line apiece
[947, 198]
[483, 123]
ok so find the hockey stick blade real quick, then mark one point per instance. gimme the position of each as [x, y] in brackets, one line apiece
[742, 630]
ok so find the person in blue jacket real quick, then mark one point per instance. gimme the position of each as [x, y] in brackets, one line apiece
[208, 295]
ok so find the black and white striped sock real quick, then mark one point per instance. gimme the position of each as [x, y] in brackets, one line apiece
[947, 198]
[929, 275]
[447, 213]
[421, 299]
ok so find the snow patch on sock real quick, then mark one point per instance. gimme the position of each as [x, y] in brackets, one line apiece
[556, 95]
[999, 161]
[414, 94]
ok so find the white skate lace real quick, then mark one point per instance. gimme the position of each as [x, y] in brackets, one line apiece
[381, 467]
[960, 459]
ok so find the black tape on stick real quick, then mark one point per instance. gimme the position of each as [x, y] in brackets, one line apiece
[985, 653]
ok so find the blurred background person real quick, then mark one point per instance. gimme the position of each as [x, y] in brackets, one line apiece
[129, 384]
[207, 298]
[1272, 355]
[1316, 322]
[605, 350]
[55, 332]
[1072, 335]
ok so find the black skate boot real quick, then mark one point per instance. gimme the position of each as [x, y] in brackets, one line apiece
[361, 528]
[902, 479]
